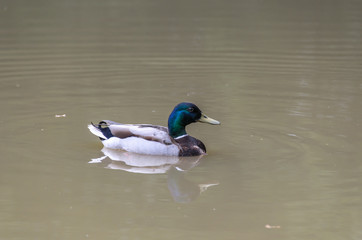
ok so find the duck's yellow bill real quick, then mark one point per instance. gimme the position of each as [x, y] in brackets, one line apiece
[206, 119]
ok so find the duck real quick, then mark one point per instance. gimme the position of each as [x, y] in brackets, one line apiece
[151, 139]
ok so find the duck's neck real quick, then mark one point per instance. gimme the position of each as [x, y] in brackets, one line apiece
[175, 127]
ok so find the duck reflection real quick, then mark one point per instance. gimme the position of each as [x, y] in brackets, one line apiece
[181, 189]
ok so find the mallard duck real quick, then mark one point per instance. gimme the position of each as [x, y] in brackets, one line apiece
[153, 139]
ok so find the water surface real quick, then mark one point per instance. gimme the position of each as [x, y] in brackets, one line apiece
[283, 77]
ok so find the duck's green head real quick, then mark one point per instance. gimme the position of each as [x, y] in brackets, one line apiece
[184, 114]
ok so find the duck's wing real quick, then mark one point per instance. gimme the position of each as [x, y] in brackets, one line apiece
[107, 129]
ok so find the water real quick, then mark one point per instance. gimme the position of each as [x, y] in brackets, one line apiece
[283, 77]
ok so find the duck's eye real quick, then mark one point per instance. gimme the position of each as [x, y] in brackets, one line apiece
[191, 109]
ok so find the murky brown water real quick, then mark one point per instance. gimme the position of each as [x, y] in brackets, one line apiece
[283, 77]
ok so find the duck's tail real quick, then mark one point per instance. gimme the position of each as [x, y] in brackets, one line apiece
[102, 130]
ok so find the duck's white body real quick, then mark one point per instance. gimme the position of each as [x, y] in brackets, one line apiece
[138, 138]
